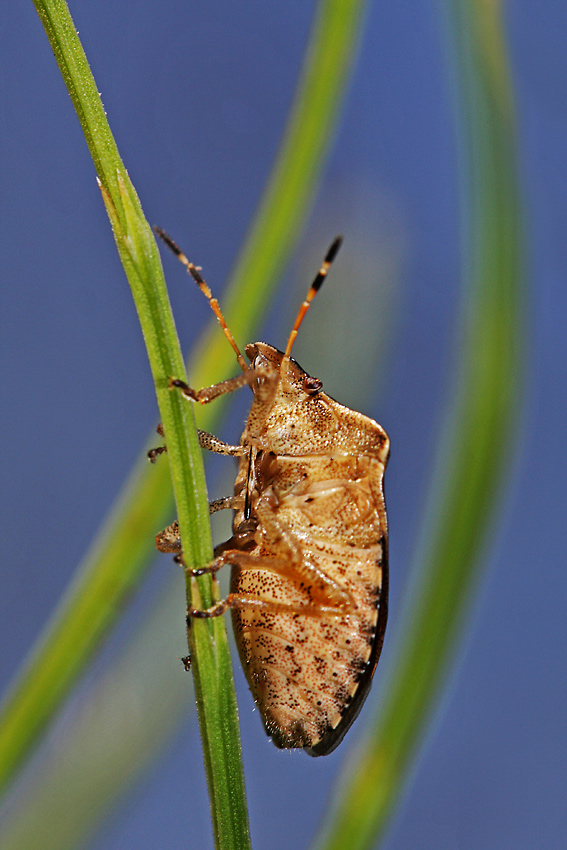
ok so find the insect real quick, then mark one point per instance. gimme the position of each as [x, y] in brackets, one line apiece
[309, 549]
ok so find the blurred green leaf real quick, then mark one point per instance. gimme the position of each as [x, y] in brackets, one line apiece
[476, 444]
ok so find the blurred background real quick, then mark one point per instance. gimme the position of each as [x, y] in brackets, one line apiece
[197, 98]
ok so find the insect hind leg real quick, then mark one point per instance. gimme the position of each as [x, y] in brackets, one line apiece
[248, 560]
[238, 600]
[296, 566]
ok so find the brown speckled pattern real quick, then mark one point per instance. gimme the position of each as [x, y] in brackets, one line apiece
[320, 541]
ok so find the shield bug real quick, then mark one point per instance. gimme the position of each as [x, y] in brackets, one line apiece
[309, 549]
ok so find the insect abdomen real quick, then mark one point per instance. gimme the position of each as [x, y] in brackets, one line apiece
[307, 672]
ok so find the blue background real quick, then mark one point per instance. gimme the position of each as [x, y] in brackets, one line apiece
[197, 95]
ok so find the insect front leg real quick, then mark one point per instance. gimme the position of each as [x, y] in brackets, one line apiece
[204, 396]
[207, 394]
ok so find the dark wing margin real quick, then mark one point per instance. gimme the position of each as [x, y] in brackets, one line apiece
[331, 739]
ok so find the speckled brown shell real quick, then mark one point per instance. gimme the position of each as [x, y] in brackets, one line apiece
[315, 527]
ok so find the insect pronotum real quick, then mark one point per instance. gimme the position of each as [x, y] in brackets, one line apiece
[309, 549]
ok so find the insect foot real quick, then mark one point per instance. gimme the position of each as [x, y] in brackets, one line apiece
[309, 549]
[153, 454]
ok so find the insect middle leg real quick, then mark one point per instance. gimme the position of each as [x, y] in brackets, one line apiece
[206, 441]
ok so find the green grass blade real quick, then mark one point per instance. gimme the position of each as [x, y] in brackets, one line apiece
[140, 257]
[477, 442]
[117, 559]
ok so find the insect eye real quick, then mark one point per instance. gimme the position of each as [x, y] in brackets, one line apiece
[312, 386]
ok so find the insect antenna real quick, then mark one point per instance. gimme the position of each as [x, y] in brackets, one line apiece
[313, 290]
[195, 273]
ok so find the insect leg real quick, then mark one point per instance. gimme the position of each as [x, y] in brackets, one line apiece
[237, 600]
[297, 564]
[226, 503]
[206, 441]
[207, 394]
[168, 540]
[213, 444]
[249, 560]
[153, 454]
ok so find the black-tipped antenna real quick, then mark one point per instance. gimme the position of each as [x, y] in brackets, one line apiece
[314, 289]
[194, 271]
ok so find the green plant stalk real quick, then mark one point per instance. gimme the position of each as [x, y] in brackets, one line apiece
[113, 567]
[480, 436]
[216, 703]
[208, 642]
